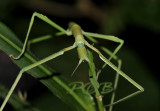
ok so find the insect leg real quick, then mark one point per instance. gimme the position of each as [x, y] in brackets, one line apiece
[43, 18]
[139, 87]
[61, 52]
[90, 36]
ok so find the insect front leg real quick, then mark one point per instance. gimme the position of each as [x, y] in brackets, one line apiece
[43, 18]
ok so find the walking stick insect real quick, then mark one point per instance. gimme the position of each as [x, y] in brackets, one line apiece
[81, 44]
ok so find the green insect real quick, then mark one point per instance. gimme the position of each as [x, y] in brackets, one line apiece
[81, 44]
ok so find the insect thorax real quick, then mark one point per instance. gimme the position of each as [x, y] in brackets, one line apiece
[79, 40]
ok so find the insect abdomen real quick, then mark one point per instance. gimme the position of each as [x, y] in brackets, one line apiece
[82, 53]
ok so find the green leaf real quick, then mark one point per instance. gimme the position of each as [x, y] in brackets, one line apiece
[78, 99]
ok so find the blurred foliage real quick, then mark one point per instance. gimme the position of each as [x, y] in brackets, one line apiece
[142, 13]
[112, 15]
[16, 102]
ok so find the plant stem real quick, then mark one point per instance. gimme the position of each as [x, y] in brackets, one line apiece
[94, 82]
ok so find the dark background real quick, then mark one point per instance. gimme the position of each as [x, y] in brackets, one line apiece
[137, 22]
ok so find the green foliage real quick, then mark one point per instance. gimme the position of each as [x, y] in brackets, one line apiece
[79, 100]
